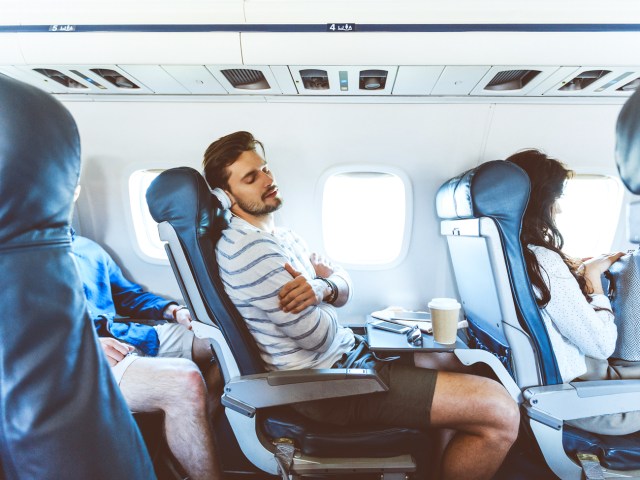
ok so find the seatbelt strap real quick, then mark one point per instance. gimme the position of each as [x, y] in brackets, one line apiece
[591, 466]
[284, 456]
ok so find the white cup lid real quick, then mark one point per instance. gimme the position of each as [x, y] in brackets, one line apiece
[444, 303]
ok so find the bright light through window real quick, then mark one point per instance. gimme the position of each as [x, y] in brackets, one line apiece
[590, 210]
[364, 217]
[145, 227]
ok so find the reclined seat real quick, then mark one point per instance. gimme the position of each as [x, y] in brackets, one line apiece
[256, 401]
[481, 212]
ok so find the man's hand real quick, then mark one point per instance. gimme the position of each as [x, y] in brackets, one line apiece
[183, 317]
[180, 313]
[114, 350]
[321, 265]
[299, 293]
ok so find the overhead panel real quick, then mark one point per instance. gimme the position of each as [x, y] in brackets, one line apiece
[458, 80]
[27, 76]
[512, 80]
[246, 79]
[283, 77]
[595, 81]
[416, 80]
[196, 79]
[84, 79]
[343, 80]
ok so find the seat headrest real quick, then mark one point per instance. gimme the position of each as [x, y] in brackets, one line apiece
[182, 197]
[628, 143]
[493, 189]
[39, 161]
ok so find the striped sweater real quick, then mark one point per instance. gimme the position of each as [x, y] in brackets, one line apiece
[252, 269]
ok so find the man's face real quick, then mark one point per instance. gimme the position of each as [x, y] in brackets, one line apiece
[252, 185]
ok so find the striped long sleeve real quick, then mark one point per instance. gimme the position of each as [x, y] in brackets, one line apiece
[252, 269]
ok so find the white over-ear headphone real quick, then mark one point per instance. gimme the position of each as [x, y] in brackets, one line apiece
[223, 198]
[220, 194]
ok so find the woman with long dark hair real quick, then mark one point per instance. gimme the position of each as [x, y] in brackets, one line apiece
[569, 292]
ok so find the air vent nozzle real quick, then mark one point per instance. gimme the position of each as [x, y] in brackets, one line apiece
[246, 79]
[583, 80]
[511, 80]
[373, 79]
[59, 77]
[116, 79]
[631, 86]
[314, 79]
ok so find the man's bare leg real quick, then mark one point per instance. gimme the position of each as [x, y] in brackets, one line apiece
[486, 420]
[175, 386]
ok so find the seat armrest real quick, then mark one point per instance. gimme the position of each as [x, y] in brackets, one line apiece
[473, 355]
[554, 404]
[248, 393]
[144, 321]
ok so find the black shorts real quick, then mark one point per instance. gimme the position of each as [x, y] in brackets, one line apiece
[407, 403]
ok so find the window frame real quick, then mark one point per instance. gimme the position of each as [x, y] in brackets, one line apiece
[136, 218]
[609, 175]
[408, 221]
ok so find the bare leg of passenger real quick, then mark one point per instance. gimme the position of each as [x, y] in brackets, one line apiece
[486, 421]
[442, 437]
[175, 386]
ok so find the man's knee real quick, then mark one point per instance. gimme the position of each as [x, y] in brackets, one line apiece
[185, 382]
[500, 411]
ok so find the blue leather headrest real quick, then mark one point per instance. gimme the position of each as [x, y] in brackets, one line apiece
[61, 413]
[628, 143]
[500, 190]
[181, 197]
[37, 187]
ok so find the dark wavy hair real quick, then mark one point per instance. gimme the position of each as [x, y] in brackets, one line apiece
[548, 177]
[223, 152]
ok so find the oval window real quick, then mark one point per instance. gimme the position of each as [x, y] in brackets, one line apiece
[364, 217]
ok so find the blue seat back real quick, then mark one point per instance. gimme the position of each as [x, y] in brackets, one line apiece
[181, 197]
[494, 196]
[628, 143]
[62, 414]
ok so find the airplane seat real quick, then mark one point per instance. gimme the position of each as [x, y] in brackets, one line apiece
[481, 214]
[62, 414]
[255, 400]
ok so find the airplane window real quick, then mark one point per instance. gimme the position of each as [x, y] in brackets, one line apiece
[364, 217]
[590, 210]
[145, 227]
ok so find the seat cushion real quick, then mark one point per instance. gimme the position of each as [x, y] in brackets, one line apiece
[615, 452]
[326, 440]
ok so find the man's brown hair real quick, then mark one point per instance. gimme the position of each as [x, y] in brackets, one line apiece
[222, 153]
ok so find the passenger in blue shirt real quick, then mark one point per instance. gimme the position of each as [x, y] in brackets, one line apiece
[172, 384]
[110, 293]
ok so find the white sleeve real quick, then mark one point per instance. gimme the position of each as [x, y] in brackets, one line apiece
[593, 332]
[256, 274]
[340, 277]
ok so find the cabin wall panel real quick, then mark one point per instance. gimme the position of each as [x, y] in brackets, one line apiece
[430, 142]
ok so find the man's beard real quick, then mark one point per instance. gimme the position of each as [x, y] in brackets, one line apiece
[258, 209]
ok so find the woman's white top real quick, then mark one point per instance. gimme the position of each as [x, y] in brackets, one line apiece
[575, 328]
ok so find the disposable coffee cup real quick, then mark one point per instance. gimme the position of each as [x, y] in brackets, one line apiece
[444, 319]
